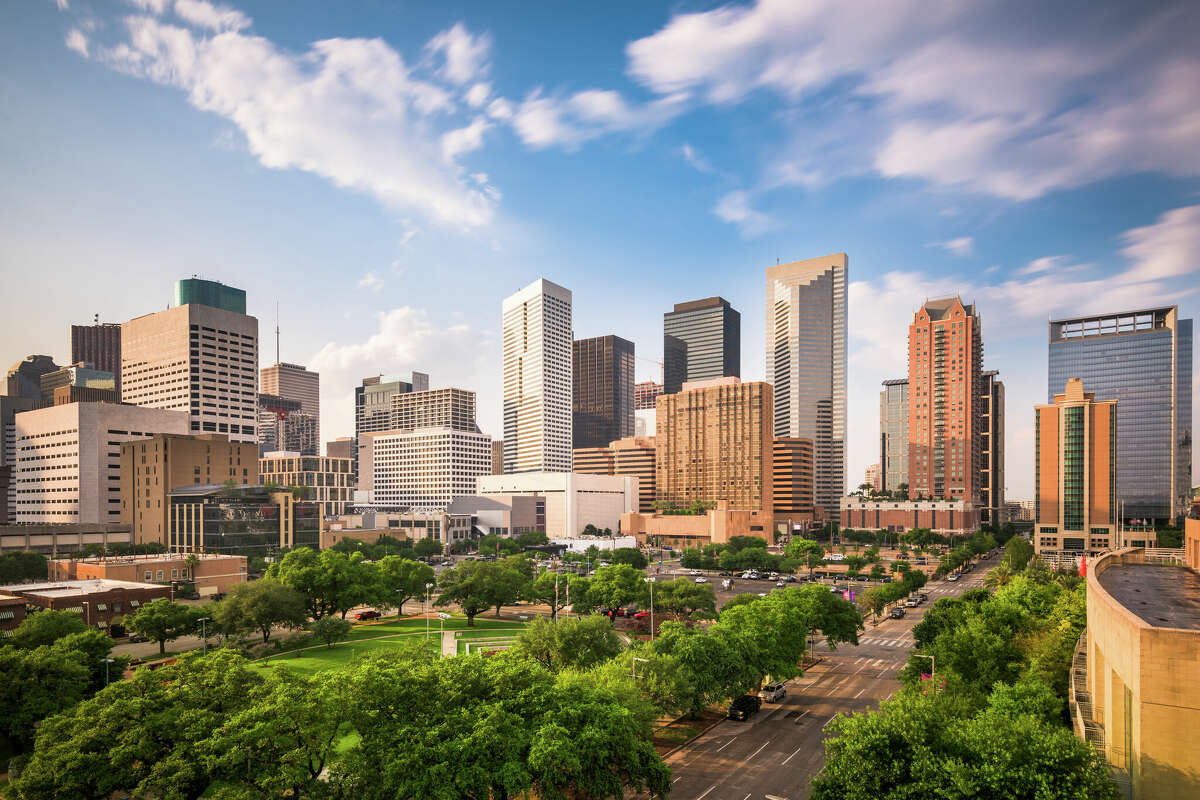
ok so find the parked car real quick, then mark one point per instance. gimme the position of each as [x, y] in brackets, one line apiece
[700, 580]
[772, 693]
[134, 638]
[790, 578]
[898, 612]
[744, 706]
[368, 614]
[694, 572]
[911, 602]
[641, 615]
[780, 584]
[725, 574]
[952, 577]
[922, 597]
[837, 557]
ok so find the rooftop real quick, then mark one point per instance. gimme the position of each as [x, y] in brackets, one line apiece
[73, 588]
[1161, 595]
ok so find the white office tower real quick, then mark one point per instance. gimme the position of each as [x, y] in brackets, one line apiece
[537, 379]
[806, 364]
[294, 382]
[199, 359]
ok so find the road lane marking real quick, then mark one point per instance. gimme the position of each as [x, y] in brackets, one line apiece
[860, 691]
[731, 741]
[789, 758]
[706, 791]
[756, 752]
[747, 797]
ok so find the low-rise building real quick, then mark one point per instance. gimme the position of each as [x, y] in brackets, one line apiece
[946, 517]
[573, 501]
[209, 572]
[152, 467]
[328, 481]
[55, 540]
[101, 603]
[12, 613]
[446, 527]
[1133, 683]
[715, 526]
[633, 455]
[240, 520]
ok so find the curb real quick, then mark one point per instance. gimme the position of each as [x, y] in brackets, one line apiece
[682, 745]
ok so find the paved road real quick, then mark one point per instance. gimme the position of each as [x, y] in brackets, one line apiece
[776, 754]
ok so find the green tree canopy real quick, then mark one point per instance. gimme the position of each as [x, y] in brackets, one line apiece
[163, 621]
[685, 598]
[425, 548]
[330, 629]
[47, 627]
[616, 586]
[631, 556]
[476, 586]
[400, 580]
[577, 643]
[260, 606]
[331, 582]
[21, 566]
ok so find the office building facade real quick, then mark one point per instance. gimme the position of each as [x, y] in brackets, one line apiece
[198, 359]
[602, 396]
[633, 456]
[806, 364]
[9, 408]
[341, 448]
[24, 379]
[572, 502]
[197, 291]
[282, 425]
[945, 362]
[1075, 481]
[893, 434]
[294, 382]
[701, 340]
[68, 459]
[1142, 359]
[715, 442]
[328, 482]
[497, 457]
[645, 395]
[373, 405]
[98, 345]
[992, 508]
[434, 408]
[423, 469]
[537, 352]
[152, 467]
[81, 376]
[240, 520]
[792, 478]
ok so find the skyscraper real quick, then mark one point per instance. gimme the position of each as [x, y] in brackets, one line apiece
[537, 344]
[806, 365]
[602, 397]
[98, 345]
[24, 378]
[714, 443]
[945, 362]
[195, 358]
[282, 425]
[294, 382]
[373, 406]
[1076, 475]
[893, 434]
[1143, 359]
[645, 394]
[701, 340]
[210, 293]
[991, 449]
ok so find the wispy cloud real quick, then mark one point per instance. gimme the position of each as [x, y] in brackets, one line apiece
[962, 246]
[735, 208]
[370, 281]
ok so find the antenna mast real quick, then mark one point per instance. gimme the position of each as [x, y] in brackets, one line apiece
[276, 331]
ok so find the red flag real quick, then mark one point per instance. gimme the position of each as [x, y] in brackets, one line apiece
[1083, 565]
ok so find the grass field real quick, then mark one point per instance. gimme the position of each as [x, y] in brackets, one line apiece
[388, 634]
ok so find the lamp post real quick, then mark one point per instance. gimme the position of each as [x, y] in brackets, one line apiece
[651, 582]
[932, 669]
[106, 661]
[442, 617]
[428, 588]
[203, 637]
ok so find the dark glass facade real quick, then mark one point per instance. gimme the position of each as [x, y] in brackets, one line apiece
[246, 524]
[210, 293]
[1143, 360]
[602, 393]
[701, 339]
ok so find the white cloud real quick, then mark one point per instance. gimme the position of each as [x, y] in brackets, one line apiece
[153, 6]
[349, 110]
[464, 140]
[962, 246]
[464, 56]
[63, 5]
[1167, 249]
[77, 41]
[213, 16]
[370, 281]
[406, 339]
[544, 121]
[1043, 264]
[478, 94]
[966, 96]
[735, 209]
[691, 156]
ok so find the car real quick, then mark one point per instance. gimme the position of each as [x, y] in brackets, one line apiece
[744, 707]
[641, 615]
[694, 572]
[952, 578]
[135, 638]
[772, 576]
[922, 597]
[911, 602]
[837, 557]
[898, 612]
[836, 589]
[762, 594]
[790, 578]
[368, 614]
[701, 579]
[781, 584]
[725, 574]
[772, 693]
[861, 578]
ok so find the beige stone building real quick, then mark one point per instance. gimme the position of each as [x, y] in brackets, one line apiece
[329, 481]
[715, 442]
[715, 526]
[633, 456]
[151, 468]
[294, 382]
[1133, 684]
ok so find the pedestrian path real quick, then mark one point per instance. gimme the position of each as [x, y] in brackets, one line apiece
[887, 642]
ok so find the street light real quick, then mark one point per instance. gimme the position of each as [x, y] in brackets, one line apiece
[442, 617]
[106, 661]
[203, 637]
[932, 669]
[651, 582]
[428, 588]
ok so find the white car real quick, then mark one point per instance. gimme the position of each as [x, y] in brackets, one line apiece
[952, 577]
[700, 580]
[694, 572]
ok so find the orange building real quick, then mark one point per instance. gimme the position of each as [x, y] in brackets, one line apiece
[945, 362]
[1075, 489]
[633, 455]
[792, 479]
[210, 573]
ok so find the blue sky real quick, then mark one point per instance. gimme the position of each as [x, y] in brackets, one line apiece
[386, 172]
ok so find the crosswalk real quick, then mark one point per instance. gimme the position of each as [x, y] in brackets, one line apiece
[901, 642]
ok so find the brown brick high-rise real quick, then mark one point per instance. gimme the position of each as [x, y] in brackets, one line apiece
[945, 361]
[100, 346]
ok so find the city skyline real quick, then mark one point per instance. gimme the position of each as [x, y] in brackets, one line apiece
[361, 275]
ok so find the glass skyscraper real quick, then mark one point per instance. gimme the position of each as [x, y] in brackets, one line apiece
[806, 364]
[893, 434]
[1143, 360]
[701, 340]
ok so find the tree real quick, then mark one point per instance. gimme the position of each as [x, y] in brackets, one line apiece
[37, 683]
[21, 566]
[877, 572]
[551, 588]
[163, 621]
[260, 605]
[426, 548]
[807, 552]
[570, 643]
[631, 556]
[47, 627]
[494, 545]
[709, 665]
[875, 599]
[401, 580]
[330, 629]
[617, 586]
[477, 586]
[330, 581]
[684, 597]
[532, 539]
[1017, 553]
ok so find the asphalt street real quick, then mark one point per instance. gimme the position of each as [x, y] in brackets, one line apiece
[776, 754]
